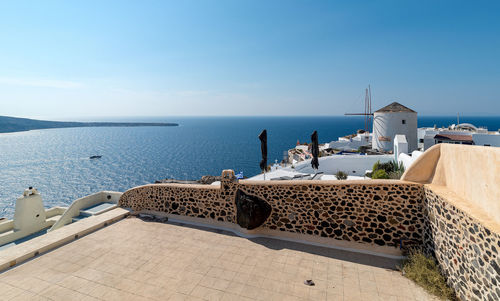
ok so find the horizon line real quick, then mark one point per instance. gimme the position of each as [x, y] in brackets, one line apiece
[76, 118]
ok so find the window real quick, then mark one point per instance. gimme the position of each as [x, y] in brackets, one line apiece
[421, 140]
[403, 121]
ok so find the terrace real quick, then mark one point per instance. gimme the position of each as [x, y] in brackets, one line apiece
[134, 259]
[260, 240]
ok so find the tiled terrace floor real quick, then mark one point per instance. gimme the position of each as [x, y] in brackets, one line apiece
[138, 260]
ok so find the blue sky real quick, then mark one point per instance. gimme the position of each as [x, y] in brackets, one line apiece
[81, 59]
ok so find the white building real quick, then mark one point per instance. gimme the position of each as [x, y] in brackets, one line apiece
[351, 143]
[394, 119]
[400, 146]
[457, 134]
[488, 139]
[407, 160]
[353, 165]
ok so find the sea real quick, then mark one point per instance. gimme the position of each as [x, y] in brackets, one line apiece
[56, 161]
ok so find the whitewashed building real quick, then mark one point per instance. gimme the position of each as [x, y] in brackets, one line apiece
[457, 134]
[351, 143]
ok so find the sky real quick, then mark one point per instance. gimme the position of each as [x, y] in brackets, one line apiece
[84, 59]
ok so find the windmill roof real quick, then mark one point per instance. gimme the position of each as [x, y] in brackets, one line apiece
[395, 107]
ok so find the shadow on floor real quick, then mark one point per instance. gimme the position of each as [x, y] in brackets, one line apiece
[277, 244]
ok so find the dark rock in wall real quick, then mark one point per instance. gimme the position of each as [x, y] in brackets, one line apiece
[206, 180]
[251, 211]
[469, 270]
[209, 179]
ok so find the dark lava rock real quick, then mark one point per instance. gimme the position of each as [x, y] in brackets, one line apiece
[348, 223]
[207, 180]
[251, 211]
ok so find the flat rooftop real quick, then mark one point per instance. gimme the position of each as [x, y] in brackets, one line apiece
[134, 259]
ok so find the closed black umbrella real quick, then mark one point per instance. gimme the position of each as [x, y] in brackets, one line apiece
[314, 150]
[263, 149]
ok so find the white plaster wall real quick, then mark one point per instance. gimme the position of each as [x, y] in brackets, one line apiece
[354, 165]
[302, 147]
[347, 144]
[482, 139]
[408, 160]
[429, 141]
[354, 143]
[29, 216]
[400, 145]
[386, 124]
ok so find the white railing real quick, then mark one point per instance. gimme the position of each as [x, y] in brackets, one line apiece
[85, 202]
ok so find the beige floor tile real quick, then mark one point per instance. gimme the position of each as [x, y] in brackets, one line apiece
[227, 275]
[193, 298]
[208, 281]
[28, 296]
[317, 294]
[335, 297]
[56, 292]
[178, 297]
[8, 291]
[241, 277]
[185, 287]
[207, 293]
[33, 284]
[369, 287]
[352, 294]
[221, 284]
[271, 285]
[386, 297]
[250, 292]
[127, 285]
[97, 290]
[135, 260]
[255, 280]
[234, 297]
[215, 272]
[235, 288]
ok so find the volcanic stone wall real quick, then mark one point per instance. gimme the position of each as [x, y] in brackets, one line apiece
[363, 212]
[383, 213]
[466, 250]
[202, 201]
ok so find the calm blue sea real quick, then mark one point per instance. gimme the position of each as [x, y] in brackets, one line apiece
[56, 161]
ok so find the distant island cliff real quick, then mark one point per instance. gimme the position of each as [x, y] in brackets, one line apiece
[14, 124]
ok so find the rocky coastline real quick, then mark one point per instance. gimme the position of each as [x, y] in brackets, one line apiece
[14, 124]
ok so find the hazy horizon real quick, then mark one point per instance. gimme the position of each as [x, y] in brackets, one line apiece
[166, 117]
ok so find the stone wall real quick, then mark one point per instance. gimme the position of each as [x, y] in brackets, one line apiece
[201, 201]
[466, 250]
[363, 212]
[379, 212]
